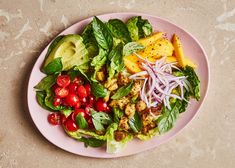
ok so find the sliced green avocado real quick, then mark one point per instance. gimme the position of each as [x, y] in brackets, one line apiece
[71, 50]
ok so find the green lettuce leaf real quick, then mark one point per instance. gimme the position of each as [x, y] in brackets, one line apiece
[153, 132]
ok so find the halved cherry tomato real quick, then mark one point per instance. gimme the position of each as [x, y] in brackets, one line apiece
[72, 99]
[61, 92]
[73, 87]
[70, 125]
[88, 88]
[54, 118]
[62, 118]
[88, 110]
[56, 101]
[78, 80]
[63, 80]
[91, 100]
[77, 105]
[83, 101]
[81, 91]
[101, 105]
[108, 109]
[90, 123]
[54, 87]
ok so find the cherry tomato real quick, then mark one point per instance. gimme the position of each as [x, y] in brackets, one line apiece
[61, 92]
[54, 118]
[73, 87]
[70, 125]
[62, 118]
[78, 80]
[77, 105]
[63, 80]
[83, 100]
[54, 87]
[108, 109]
[71, 99]
[91, 100]
[101, 105]
[56, 101]
[81, 91]
[88, 88]
[87, 111]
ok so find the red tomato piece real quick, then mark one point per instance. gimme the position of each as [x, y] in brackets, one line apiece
[72, 99]
[56, 101]
[73, 87]
[88, 88]
[90, 123]
[91, 100]
[81, 91]
[63, 80]
[78, 80]
[62, 118]
[101, 105]
[61, 92]
[83, 100]
[70, 125]
[77, 105]
[77, 111]
[54, 118]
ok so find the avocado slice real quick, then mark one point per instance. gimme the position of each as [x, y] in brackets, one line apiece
[71, 50]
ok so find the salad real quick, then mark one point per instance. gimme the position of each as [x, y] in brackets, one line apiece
[116, 81]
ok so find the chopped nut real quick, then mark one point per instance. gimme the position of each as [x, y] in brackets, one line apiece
[123, 124]
[140, 106]
[122, 79]
[130, 110]
[113, 87]
[136, 88]
[111, 84]
[119, 135]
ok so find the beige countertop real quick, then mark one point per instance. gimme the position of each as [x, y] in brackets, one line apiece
[27, 26]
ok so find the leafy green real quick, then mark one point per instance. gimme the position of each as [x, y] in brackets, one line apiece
[46, 82]
[92, 142]
[66, 111]
[54, 66]
[102, 34]
[135, 122]
[90, 41]
[149, 135]
[114, 146]
[98, 90]
[81, 121]
[194, 82]
[116, 63]
[49, 101]
[122, 91]
[139, 28]
[100, 119]
[40, 96]
[119, 30]
[169, 116]
[53, 44]
[132, 47]
[117, 114]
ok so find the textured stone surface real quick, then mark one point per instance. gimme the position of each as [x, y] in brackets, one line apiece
[27, 26]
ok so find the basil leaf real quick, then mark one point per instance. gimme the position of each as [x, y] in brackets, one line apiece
[53, 44]
[54, 66]
[98, 90]
[194, 82]
[40, 96]
[92, 142]
[99, 119]
[49, 101]
[119, 30]
[123, 91]
[168, 118]
[81, 121]
[117, 114]
[99, 60]
[132, 28]
[184, 102]
[132, 47]
[90, 41]
[135, 123]
[46, 82]
[116, 61]
[102, 34]
[66, 111]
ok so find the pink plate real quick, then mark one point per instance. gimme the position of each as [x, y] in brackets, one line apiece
[57, 136]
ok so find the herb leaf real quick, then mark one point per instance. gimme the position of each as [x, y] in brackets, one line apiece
[123, 91]
[92, 142]
[102, 34]
[99, 119]
[81, 121]
[46, 82]
[54, 66]
[40, 96]
[132, 47]
[119, 30]
[117, 114]
[135, 122]
[98, 90]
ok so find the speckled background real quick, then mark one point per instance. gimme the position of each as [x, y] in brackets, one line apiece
[27, 26]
